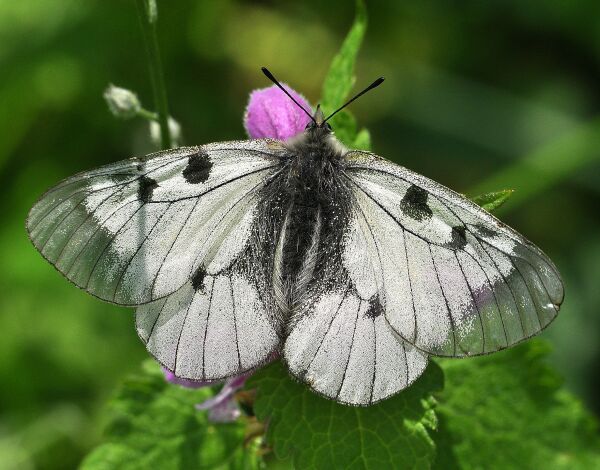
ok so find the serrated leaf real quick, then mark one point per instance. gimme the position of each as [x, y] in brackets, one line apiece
[340, 77]
[508, 410]
[492, 201]
[153, 424]
[319, 433]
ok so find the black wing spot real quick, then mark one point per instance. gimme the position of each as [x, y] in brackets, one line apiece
[198, 279]
[375, 308]
[459, 238]
[147, 187]
[198, 168]
[414, 203]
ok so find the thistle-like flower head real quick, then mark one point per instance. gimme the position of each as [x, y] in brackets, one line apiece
[272, 114]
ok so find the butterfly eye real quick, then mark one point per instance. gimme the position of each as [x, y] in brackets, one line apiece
[310, 125]
[328, 126]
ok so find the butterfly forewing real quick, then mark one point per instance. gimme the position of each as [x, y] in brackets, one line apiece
[134, 231]
[452, 279]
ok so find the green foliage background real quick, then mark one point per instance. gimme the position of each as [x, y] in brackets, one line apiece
[480, 96]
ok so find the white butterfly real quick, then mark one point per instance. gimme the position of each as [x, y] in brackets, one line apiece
[353, 268]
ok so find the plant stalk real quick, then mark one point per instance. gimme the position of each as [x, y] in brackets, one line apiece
[148, 26]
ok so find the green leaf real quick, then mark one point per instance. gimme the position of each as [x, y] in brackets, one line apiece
[362, 141]
[340, 78]
[347, 132]
[345, 128]
[508, 410]
[319, 433]
[492, 201]
[153, 424]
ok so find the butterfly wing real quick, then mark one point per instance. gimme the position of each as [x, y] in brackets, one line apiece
[215, 326]
[180, 234]
[345, 350]
[452, 279]
[338, 342]
[134, 231]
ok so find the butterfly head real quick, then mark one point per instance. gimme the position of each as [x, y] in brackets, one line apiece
[319, 122]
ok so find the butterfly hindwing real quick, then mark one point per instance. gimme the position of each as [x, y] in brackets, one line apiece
[213, 327]
[134, 231]
[453, 280]
[344, 349]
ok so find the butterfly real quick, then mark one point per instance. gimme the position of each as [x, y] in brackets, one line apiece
[352, 268]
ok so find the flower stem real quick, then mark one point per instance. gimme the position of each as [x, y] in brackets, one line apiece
[148, 25]
[148, 115]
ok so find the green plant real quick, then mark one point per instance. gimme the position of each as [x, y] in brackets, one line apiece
[480, 413]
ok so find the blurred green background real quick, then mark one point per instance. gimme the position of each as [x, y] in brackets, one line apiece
[479, 96]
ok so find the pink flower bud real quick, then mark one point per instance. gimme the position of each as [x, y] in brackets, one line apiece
[270, 113]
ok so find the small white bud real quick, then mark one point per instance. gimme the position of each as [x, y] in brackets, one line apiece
[122, 103]
[174, 131]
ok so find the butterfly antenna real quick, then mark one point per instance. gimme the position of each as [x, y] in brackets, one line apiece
[375, 84]
[276, 82]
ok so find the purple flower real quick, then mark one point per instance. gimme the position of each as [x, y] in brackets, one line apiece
[222, 408]
[270, 113]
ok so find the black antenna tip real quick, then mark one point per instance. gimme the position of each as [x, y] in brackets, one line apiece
[271, 77]
[377, 82]
[268, 74]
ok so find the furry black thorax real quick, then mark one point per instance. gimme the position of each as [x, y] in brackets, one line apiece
[312, 197]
